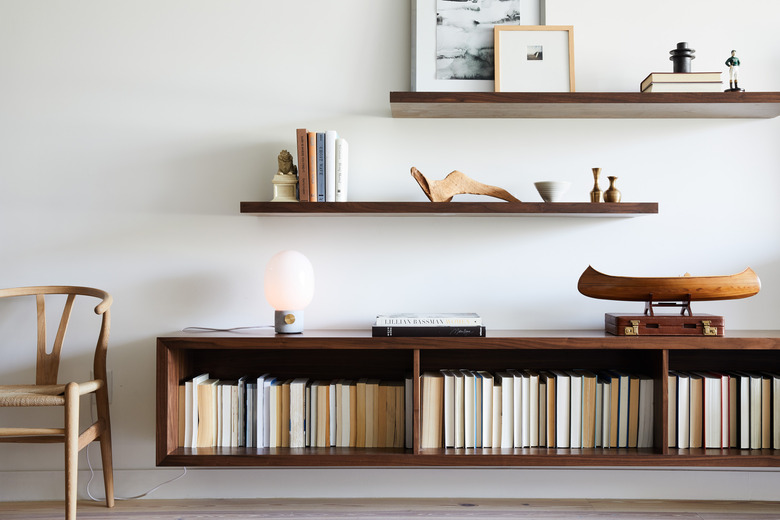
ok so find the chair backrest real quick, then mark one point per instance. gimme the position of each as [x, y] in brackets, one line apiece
[48, 363]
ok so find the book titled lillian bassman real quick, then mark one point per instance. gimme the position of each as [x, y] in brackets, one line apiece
[434, 319]
[438, 324]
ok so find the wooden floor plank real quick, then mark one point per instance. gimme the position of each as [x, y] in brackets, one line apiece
[431, 509]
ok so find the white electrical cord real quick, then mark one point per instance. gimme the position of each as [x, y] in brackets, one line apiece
[184, 470]
[92, 476]
[233, 329]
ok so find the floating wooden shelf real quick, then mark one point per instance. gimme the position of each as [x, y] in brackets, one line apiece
[589, 105]
[493, 209]
[353, 354]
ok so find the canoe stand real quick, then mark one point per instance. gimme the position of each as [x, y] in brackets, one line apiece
[685, 305]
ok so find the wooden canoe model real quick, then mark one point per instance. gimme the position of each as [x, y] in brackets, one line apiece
[674, 288]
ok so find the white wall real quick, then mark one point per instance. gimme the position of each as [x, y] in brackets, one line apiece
[131, 130]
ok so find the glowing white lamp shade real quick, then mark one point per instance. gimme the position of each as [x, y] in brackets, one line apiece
[289, 288]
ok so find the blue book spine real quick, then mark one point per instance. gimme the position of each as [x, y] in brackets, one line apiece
[320, 166]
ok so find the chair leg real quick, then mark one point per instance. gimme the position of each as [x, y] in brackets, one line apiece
[105, 445]
[71, 449]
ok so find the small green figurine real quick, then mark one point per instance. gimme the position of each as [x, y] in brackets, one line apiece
[733, 65]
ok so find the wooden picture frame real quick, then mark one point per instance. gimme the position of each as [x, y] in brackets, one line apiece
[534, 58]
[426, 75]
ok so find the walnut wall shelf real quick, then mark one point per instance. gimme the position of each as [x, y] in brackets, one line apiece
[352, 354]
[472, 209]
[588, 105]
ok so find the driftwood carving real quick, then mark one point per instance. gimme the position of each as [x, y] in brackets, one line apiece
[458, 183]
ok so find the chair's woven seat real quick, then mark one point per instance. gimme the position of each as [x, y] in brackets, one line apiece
[32, 395]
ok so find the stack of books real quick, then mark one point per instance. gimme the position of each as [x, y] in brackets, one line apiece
[297, 412]
[323, 166]
[418, 325]
[724, 410]
[682, 82]
[525, 408]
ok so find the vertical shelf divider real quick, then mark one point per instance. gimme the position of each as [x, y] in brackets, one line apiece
[416, 417]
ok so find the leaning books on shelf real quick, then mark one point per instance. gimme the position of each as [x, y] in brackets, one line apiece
[682, 82]
[732, 409]
[276, 412]
[520, 408]
[323, 166]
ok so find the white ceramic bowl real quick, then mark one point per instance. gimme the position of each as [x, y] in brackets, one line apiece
[552, 191]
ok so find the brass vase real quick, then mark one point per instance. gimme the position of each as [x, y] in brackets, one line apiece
[595, 193]
[612, 194]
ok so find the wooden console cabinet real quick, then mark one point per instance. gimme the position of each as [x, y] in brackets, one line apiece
[353, 354]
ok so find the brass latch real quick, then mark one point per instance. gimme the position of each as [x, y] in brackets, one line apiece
[633, 330]
[707, 329]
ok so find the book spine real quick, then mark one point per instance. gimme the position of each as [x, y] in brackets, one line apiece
[302, 139]
[428, 322]
[321, 159]
[342, 169]
[312, 139]
[330, 165]
[379, 331]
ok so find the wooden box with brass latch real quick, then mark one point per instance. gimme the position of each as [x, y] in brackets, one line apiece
[663, 325]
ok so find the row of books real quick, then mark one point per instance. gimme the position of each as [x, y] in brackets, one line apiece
[434, 324]
[270, 412]
[323, 166]
[724, 410]
[529, 408]
[682, 82]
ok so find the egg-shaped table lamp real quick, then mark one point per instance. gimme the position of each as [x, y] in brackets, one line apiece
[289, 288]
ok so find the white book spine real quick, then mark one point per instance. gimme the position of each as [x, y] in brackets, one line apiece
[469, 404]
[449, 409]
[533, 383]
[459, 411]
[496, 416]
[683, 411]
[725, 412]
[606, 413]
[507, 409]
[227, 416]
[525, 425]
[744, 412]
[575, 415]
[342, 169]
[188, 414]
[562, 410]
[267, 413]
[260, 412]
[487, 410]
[517, 427]
[330, 165]
[333, 412]
[776, 412]
[755, 412]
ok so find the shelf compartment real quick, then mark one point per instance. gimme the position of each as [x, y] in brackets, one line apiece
[471, 209]
[590, 105]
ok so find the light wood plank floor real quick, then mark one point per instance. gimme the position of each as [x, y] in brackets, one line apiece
[399, 509]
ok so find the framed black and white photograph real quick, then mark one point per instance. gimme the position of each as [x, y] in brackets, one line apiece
[452, 41]
[534, 58]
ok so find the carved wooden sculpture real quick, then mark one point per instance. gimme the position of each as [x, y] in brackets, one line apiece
[457, 183]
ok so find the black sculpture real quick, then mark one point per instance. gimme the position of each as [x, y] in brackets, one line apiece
[681, 57]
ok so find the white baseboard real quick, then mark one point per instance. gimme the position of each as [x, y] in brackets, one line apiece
[582, 483]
